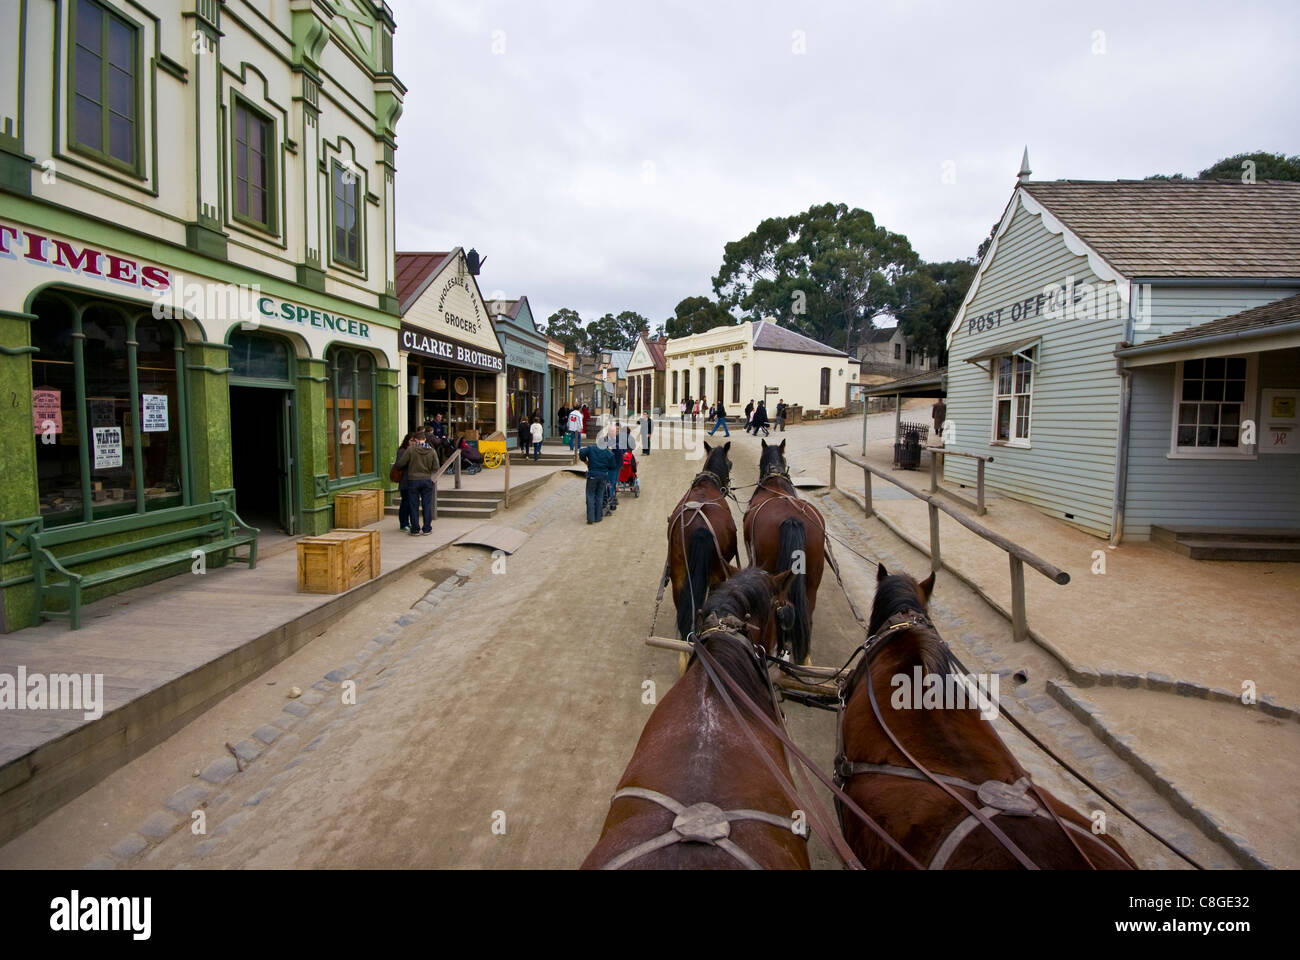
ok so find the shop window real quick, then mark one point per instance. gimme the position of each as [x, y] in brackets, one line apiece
[104, 75]
[735, 383]
[1013, 397]
[347, 216]
[350, 402]
[1213, 397]
[254, 166]
[826, 387]
[128, 439]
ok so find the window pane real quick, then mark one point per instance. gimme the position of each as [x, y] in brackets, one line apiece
[1022, 418]
[257, 204]
[1237, 368]
[1207, 437]
[1191, 389]
[90, 24]
[121, 43]
[121, 93]
[1213, 390]
[1209, 414]
[1227, 436]
[89, 130]
[89, 79]
[1004, 375]
[121, 139]
[1004, 420]
[1214, 368]
[1186, 436]
[1187, 413]
[1194, 369]
[108, 405]
[1230, 414]
[1235, 391]
[58, 460]
[160, 436]
[258, 357]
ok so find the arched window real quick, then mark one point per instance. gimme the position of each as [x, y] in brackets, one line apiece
[350, 403]
[722, 384]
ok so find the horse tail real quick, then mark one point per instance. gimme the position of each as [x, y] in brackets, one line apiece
[794, 540]
[690, 599]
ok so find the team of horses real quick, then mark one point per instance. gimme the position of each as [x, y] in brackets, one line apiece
[709, 785]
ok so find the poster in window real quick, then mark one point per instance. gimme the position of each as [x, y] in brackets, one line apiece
[102, 412]
[47, 405]
[153, 418]
[108, 447]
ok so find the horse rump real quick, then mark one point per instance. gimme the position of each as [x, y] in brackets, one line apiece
[690, 599]
[797, 638]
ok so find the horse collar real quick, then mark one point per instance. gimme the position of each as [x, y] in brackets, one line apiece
[902, 620]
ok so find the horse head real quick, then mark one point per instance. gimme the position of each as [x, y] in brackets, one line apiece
[755, 598]
[717, 462]
[772, 460]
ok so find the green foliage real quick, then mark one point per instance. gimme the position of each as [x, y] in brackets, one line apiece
[1268, 166]
[825, 272]
[928, 300]
[696, 315]
[566, 326]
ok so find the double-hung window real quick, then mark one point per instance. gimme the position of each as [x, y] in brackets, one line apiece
[1214, 398]
[1013, 376]
[347, 216]
[105, 81]
[254, 167]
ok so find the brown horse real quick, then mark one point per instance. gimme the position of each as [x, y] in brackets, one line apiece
[695, 795]
[701, 538]
[785, 532]
[885, 770]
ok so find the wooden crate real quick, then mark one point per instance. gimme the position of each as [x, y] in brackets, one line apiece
[337, 561]
[358, 508]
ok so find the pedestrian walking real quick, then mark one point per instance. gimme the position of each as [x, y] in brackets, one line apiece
[524, 436]
[721, 420]
[686, 406]
[536, 435]
[598, 459]
[749, 416]
[562, 422]
[420, 461]
[647, 427]
[780, 414]
[614, 439]
[760, 420]
[403, 508]
[576, 423]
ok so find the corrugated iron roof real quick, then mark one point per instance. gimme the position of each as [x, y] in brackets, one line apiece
[414, 268]
[770, 336]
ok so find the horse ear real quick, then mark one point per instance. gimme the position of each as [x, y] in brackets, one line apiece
[726, 446]
[707, 448]
[927, 587]
[881, 572]
[732, 570]
[782, 447]
[781, 582]
[764, 443]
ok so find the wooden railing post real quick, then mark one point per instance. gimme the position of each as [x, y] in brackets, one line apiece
[832, 469]
[935, 561]
[435, 500]
[934, 477]
[1019, 627]
[456, 467]
[866, 487]
[507, 496]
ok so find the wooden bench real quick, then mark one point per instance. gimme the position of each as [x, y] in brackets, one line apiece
[211, 522]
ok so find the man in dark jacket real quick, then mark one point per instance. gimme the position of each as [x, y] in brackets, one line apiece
[760, 418]
[646, 428]
[599, 460]
[420, 463]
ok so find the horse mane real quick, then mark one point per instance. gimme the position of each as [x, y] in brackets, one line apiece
[898, 592]
[748, 593]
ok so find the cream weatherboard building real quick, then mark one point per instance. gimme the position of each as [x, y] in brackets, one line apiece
[755, 360]
[197, 299]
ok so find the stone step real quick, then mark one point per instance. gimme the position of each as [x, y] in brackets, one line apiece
[1261, 535]
[1246, 550]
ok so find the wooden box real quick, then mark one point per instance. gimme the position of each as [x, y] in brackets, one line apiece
[337, 561]
[358, 508]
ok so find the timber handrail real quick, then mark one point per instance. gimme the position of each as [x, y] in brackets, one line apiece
[982, 458]
[1017, 555]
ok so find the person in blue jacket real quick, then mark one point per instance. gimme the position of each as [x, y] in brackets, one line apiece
[599, 460]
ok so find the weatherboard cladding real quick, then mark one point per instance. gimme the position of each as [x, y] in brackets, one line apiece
[1070, 467]
[1175, 310]
[1263, 492]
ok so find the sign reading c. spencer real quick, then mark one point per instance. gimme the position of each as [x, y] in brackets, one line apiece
[426, 344]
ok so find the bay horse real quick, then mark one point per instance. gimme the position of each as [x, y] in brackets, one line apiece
[785, 532]
[701, 537]
[695, 795]
[891, 772]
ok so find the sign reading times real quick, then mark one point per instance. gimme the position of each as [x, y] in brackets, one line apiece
[426, 344]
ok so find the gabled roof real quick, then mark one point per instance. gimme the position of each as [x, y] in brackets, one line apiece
[656, 348]
[770, 336]
[1182, 228]
[413, 269]
[880, 334]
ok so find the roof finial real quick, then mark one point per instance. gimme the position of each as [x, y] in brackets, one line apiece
[1024, 173]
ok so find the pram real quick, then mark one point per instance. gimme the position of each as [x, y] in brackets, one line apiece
[628, 482]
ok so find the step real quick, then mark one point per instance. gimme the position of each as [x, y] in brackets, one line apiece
[1242, 550]
[1261, 535]
[467, 513]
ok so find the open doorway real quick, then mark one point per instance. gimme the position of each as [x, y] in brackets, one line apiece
[260, 446]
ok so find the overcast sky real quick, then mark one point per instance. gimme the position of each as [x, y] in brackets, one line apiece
[600, 155]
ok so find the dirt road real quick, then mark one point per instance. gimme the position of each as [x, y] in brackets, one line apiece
[496, 705]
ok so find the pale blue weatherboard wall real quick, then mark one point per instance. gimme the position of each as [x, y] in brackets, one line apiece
[1174, 308]
[1075, 408]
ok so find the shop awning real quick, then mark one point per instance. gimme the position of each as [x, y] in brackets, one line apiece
[1009, 348]
[921, 385]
